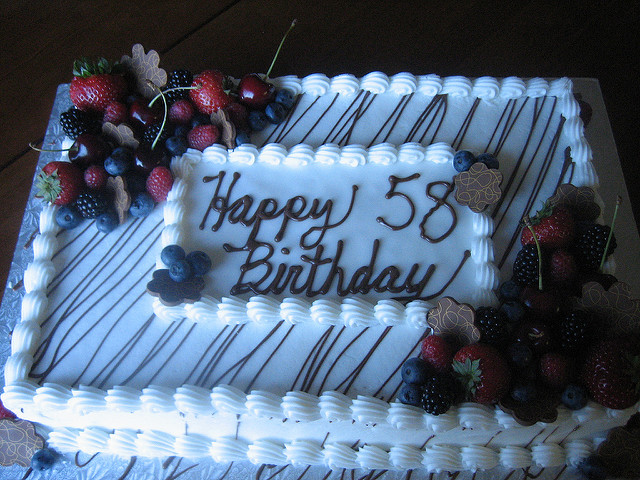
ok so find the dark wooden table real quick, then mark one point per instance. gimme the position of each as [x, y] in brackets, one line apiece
[40, 40]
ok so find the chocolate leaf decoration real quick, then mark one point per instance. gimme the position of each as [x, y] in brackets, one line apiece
[18, 442]
[144, 67]
[615, 306]
[121, 134]
[121, 197]
[543, 409]
[220, 118]
[620, 452]
[172, 293]
[478, 187]
[452, 319]
[578, 200]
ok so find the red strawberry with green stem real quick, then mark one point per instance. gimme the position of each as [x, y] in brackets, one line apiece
[96, 84]
[482, 372]
[208, 94]
[554, 227]
[59, 183]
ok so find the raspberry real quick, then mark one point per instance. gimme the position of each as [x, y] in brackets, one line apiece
[95, 177]
[203, 136]
[562, 267]
[181, 112]
[555, 370]
[437, 352]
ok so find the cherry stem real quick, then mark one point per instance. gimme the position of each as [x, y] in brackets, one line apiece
[527, 222]
[613, 222]
[164, 117]
[174, 89]
[293, 24]
[48, 150]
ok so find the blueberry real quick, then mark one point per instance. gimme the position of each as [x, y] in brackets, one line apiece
[510, 290]
[520, 354]
[524, 392]
[514, 310]
[43, 459]
[285, 98]
[119, 162]
[141, 205]
[107, 221]
[275, 113]
[171, 254]
[463, 160]
[200, 119]
[68, 217]
[411, 394]
[242, 137]
[574, 397]
[181, 130]
[200, 262]
[176, 145]
[416, 371]
[593, 468]
[257, 120]
[489, 160]
[180, 271]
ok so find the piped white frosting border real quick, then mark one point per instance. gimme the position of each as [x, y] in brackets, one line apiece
[21, 394]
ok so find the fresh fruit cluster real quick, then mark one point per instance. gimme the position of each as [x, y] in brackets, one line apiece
[182, 266]
[540, 345]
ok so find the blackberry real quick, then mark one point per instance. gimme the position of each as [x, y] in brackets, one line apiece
[525, 267]
[493, 326]
[151, 132]
[91, 204]
[439, 394]
[575, 329]
[590, 245]
[178, 78]
[75, 122]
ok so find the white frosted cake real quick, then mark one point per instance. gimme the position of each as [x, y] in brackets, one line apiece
[332, 235]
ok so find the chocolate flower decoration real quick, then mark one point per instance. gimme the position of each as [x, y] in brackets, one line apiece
[543, 409]
[173, 293]
[621, 451]
[145, 67]
[478, 187]
[220, 118]
[615, 306]
[18, 442]
[578, 200]
[121, 197]
[122, 134]
[452, 319]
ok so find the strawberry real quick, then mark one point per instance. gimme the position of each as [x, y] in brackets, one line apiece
[159, 182]
[181, 112]
[203, 136]
[554, 227]
[483, 373]
[555, 370]
[59, 182]
[95, 177]
[96, 85]
[116, 113]
[611, 374]
[437, 352]
[210, 96]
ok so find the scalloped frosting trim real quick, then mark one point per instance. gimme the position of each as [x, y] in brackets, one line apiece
[436, 458]
[296, 406]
